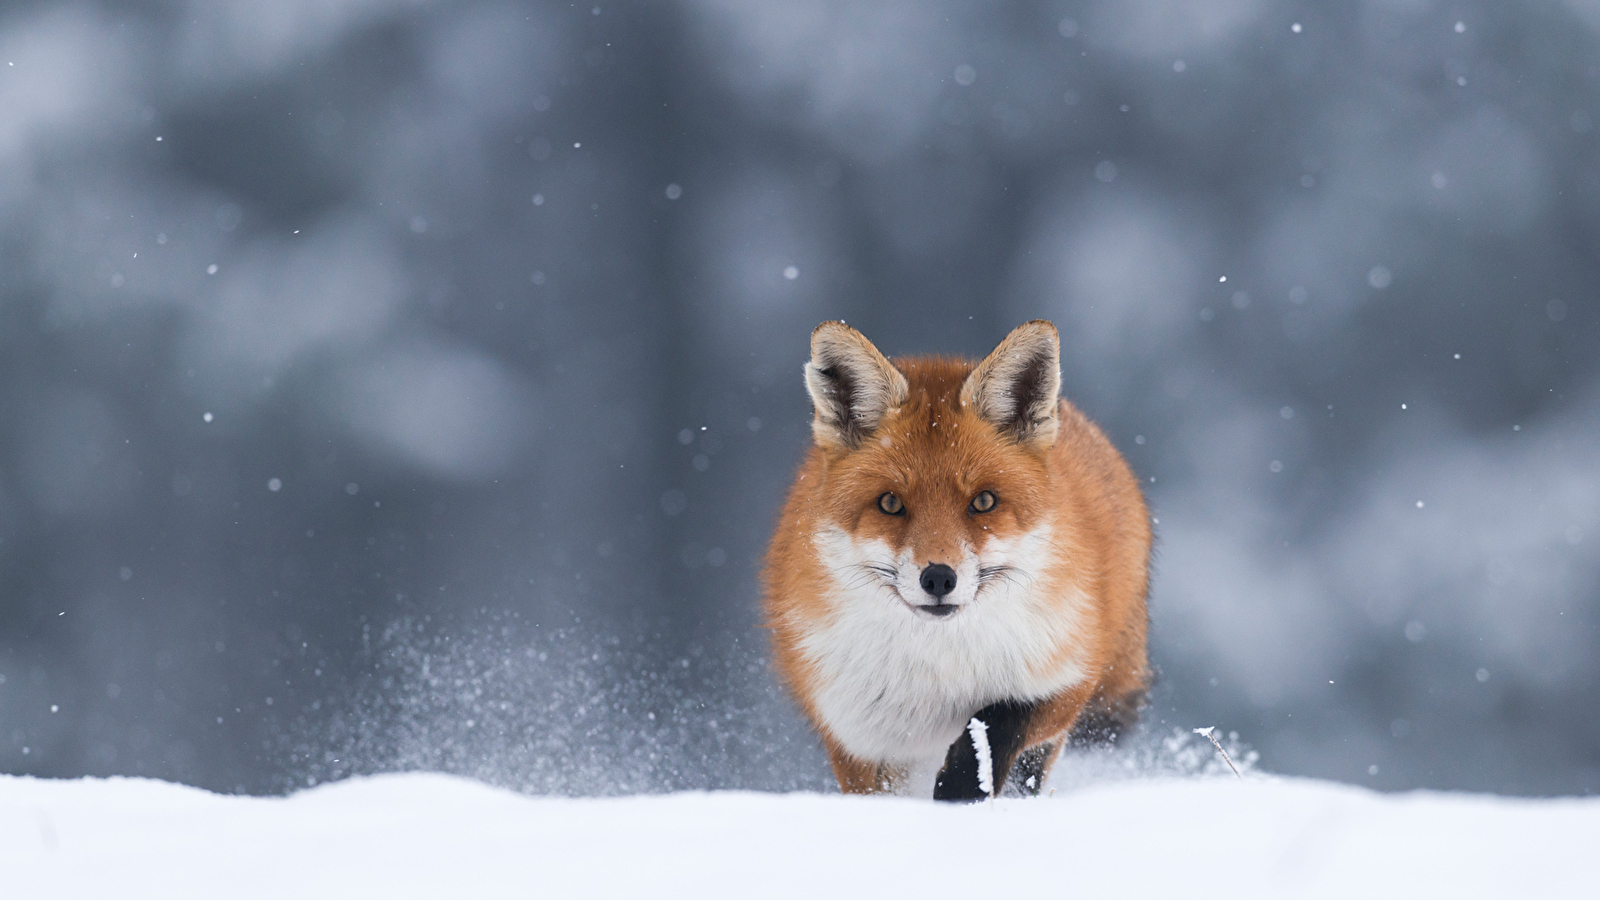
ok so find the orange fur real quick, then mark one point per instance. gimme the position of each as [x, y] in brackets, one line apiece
[936, 453]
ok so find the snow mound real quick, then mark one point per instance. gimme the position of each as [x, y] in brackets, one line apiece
[424, 835]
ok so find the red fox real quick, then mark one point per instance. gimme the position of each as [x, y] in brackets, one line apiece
[959, 544]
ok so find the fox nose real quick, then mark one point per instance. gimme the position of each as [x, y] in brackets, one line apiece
[938, 579]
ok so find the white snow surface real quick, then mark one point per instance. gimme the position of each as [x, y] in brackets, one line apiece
[426, 835]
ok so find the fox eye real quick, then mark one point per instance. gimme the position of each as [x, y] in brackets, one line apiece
[983, 502]
[891, 505]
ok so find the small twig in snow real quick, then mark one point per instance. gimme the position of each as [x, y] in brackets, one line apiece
[1210, 734]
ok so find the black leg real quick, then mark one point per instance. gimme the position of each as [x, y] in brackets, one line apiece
[1007, 726]
[1027, 773]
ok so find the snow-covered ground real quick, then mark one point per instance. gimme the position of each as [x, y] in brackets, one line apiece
[422, 835]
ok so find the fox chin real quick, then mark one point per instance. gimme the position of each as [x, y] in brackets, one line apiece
[958, 578]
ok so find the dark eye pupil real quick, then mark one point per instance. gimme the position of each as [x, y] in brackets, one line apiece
[983, 502]
[890, 504]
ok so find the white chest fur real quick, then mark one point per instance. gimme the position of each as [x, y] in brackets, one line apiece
[897, 686]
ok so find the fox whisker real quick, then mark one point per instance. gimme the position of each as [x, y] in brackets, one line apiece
[862, 579]
[887, 573]
[987, 575]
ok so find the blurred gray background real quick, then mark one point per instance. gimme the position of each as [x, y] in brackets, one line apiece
[392, 384]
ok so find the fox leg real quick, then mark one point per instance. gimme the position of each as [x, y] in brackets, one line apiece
[1006, 727]
[1032, 766]
[858, 776]
[1011, 728]
[1115, 707]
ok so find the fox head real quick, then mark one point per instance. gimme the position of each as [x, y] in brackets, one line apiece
[937, 473]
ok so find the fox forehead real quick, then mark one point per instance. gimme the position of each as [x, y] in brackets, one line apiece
[932, 436]
[908, 460]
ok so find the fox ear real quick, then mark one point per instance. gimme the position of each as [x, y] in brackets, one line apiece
[852, 386]
[1017, 387]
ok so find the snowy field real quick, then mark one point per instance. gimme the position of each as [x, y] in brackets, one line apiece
[422, 835]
